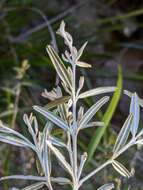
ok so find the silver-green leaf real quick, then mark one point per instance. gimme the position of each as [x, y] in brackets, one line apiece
[92, 111]
[52, 117]
[121, 169]
[107, 186]
[123, 135]
[135, 110]
[60, 157]
[97, 91]
[59, 66]
[128, 93]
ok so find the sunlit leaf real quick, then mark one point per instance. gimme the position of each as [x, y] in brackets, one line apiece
[135, 110]
[59, 66]
[60, 157]
[80, 51]
[13, 140]
[97, 91]
[82, 162]
[123, 135]
[13, 137]
[24, 177]
[128, 93]
[92, 111]
[52, 117]
[121, 169]
[83, 64]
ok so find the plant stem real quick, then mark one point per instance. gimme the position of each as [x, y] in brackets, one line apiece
[131, 143]
[74, 133]
[127, 146]
[94, 172]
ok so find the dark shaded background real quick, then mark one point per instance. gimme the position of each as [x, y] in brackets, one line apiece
[114, 31]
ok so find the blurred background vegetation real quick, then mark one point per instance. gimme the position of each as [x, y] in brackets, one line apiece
[114, 31]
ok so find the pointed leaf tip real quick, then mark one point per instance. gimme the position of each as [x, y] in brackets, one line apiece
[52, 117]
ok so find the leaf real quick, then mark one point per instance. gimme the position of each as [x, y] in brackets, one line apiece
[44, 149]
[92, 111]
[52, 117]
[61, 180]
[81, 83]
[13, 140]
[80, 51]
[30, 129]
[121, 169]
[128, 93]
[10, 136]
[94, 124]
[123, 135]
[34, 186]
[7, 130]
[135, 110]
[81, 165]
[57, 102]
[96, 91]
[57, 142]
[61, 30]
[59, 66]
[97, 136]
[60, 157]
[83, 64]
[24, 177]
[107, 186]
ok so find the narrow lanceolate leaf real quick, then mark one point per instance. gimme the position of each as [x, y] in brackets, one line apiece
[81, 165]
[98, 134]
[60, 157]
[34, 186]
[9, 139]
[96, 91]
[80, 51]
[52, 117]
[6, 130]
[128, 93]
[107, 186]
[94, 124]
[123, 135]
[30, 129]
[57, 102]
[57, 142]
[135, 110]
[59, 66]
[45, 151]
[83, 64]
[121, 169]
[61, 180]
[92, 111]
[24, 177]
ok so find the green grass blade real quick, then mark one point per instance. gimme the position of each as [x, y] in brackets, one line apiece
[95, 140]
